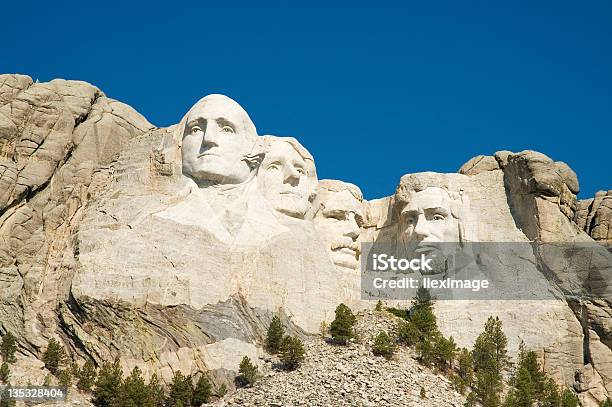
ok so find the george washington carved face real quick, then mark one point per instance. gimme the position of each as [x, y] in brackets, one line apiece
[217, 136]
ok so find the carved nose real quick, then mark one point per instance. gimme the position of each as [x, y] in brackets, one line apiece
[352, 229]
[421, 228]
[209, 140]
[292, 177]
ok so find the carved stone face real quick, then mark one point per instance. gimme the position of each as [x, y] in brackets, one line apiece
[428, 217]
[218, 134]
[338, 222]
[283, 180]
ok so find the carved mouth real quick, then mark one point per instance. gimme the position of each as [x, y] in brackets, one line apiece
[207, 153]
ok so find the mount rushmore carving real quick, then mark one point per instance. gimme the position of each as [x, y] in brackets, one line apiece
[172, 248]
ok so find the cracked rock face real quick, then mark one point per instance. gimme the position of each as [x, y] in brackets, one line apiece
[172, 248]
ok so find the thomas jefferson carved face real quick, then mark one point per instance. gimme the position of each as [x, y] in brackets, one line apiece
[218, 134]
[338, 222]
[285, 179]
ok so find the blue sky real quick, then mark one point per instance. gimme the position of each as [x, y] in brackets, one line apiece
[374, 90]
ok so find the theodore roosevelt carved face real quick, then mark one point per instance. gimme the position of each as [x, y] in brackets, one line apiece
[286, 176]
[338, 219]
[217, 136]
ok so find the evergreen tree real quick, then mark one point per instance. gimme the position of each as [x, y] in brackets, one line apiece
[569, 399]
[155, 393]
[422, 315]
[523, 394]
[54, 356]
[425, 321]
[493, 329]
[5, 372]
[470, 400]
[407, 333]
[202, 392]
[487, 387]
[342, 326]
[222, 390]
[275, 335]
[422, 393]
[133, 391]
[379, 306]
[292, 352]
[489, 349]
[247, 372]
[551, 396]
[5, 400]
[8, 347]
[86, 376]
[180, 391]
[466, 369]
[422, 299]
[444, 352]
[606, 403]
[425, 350]
[384, 345]
[108, 384]
[65, 378]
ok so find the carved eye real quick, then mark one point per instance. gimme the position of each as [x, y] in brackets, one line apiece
[437, 216]
[273, 167]
[301, 171]
[196, 129]
[227, 129]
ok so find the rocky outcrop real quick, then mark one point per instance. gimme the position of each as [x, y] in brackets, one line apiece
[594, 216]
[56, 139]
[351, 376]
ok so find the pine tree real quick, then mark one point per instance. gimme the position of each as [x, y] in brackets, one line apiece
[489, 350]
[180, 392]
[379, 306]
[275, 335]
[65, 378]
[222, 390]
[292, 352]
[155, 393]
[342, 326]
[5, 400]
[444, 352]
[606, 403]
[493, 328]
[86, 376]
[466, 369]
[133, 391]
[54, 356]
[202, 392]
[422, 393]
[551, 396]
[384, 345]
[247, 372]
[107, 384]
[569, 399]
[407, 333]
[422, 299]
[487, 387]
[524, 391]
[8, 347]
[425, 350]
[5, 372]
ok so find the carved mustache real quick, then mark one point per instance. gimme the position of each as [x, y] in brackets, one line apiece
[345, 243]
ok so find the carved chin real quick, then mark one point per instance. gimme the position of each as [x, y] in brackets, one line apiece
[291, 206]
[345, 258]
